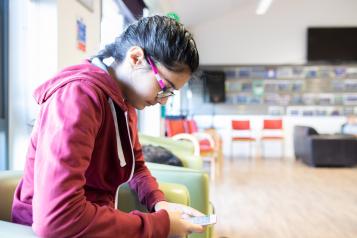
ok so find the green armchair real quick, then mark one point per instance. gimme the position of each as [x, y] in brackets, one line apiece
[127, 201]
[8, 183]
[184, 150]
[197, 183]
[180, 185]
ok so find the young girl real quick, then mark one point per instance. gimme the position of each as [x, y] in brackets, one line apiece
[85, 144]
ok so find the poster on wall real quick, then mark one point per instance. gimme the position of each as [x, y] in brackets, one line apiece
[81, 35]
[258, 88]
[350, 99]
[350, 85]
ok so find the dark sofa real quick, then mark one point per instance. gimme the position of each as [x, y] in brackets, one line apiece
[324, 150]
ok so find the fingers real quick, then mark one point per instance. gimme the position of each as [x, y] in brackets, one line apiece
[185, 209]
[178, 214]
[185, 216]
[161, 205]
[192, 212]
[195, 228]
[180, 227]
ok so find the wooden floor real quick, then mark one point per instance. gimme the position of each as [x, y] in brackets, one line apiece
[276, 198]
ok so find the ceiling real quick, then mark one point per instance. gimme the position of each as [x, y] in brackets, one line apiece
[193, 12]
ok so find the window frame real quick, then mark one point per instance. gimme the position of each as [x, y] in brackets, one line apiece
[4, 81]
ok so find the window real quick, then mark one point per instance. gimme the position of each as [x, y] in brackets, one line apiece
[112, 22]
[3, 84]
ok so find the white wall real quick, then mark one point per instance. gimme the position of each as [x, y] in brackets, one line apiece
[112, 23]
[222, 123]
[150, 120]
[279, 37]
[68, 13]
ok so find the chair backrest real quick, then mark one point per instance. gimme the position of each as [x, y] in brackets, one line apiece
[196, 181]
[175, 126]
[240, 124]
[191, 126]
[273, 124]
[8, 183]
[300, 140]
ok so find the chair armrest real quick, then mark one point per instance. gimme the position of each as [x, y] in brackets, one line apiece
[184, 150]
[128, 200]
[167, 142]
[203, 135]
[8, 183]
[192, 139]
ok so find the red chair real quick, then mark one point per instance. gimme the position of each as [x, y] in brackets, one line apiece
[203, 143]
[180, 128]
[273, 125]
[241, 126]
[177, 129]
[175, 126]
[191, 126]
[207, 144]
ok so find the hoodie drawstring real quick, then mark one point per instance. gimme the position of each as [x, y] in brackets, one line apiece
[119, 147]
[118, 140]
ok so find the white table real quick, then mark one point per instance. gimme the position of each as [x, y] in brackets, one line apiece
[8, 229]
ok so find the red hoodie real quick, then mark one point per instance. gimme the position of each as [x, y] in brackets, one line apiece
[83, 146]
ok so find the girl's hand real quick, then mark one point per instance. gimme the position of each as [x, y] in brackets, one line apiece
[186, 211]
[181, 228]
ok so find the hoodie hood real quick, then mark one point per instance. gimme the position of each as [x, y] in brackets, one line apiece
[85, 71]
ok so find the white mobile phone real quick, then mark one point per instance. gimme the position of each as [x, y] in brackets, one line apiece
[203, 220]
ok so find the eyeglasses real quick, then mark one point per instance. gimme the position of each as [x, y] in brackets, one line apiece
[165, 92]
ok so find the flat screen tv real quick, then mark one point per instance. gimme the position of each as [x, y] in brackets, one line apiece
[214, 84]
[332, 44]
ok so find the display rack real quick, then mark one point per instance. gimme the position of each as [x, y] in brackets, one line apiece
[305, 90]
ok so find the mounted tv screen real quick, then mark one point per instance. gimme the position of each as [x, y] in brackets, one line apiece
[332, 44]
[214, 83]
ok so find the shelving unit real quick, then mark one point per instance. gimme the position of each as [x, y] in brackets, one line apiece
[296, 90]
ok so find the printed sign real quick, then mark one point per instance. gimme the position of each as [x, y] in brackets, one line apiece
[81, 35]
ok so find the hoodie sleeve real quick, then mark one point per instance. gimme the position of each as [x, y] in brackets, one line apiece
[70, 121]
[143, 183]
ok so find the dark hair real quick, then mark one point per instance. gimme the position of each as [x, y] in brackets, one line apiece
[164, 39]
